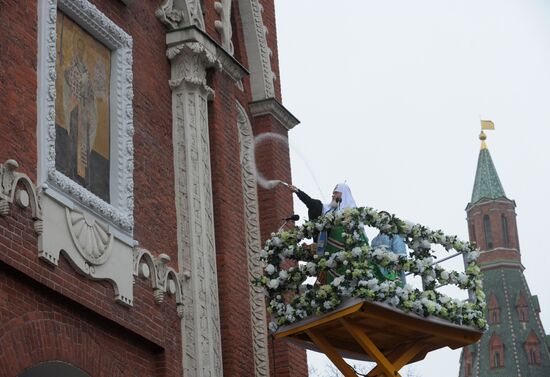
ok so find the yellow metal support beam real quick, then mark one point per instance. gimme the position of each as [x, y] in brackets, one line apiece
[326, 319]
[331, 353]
[400, 359]
[370, 348]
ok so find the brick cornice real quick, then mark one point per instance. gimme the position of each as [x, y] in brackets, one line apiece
[270, 106]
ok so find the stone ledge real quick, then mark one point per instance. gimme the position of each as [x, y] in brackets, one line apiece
[191, 34]
[273, 107]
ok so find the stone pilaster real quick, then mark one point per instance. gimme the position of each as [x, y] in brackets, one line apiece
[191, 53]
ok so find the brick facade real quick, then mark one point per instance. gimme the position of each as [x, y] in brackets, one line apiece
[54, 313]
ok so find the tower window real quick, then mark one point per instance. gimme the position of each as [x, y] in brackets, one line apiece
[532, 349]
[488, 233]
[468, 361]
[522, 308]
[494, 310]
[505, 237]
[496, 352]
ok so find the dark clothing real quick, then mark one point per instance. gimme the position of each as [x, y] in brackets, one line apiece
[314, 206]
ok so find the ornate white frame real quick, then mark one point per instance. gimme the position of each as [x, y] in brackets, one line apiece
[120, 211]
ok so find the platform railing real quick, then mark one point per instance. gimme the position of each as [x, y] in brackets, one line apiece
[359, 270]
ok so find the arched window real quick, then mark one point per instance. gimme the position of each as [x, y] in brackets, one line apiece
[473, 232]
[505, 237]
[494, 310]
[496, 352]
[488, 233]
[532, 348]
[53, 368]
[522, 308]
[467, 361]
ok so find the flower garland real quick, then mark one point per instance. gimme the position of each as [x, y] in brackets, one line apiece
[290, 300]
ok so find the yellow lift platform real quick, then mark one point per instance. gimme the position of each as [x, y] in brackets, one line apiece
[374, 331]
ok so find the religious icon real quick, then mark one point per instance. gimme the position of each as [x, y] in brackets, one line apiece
[82, 143]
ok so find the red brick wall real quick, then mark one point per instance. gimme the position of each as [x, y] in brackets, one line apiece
[273, 160]
[494, 209]
[28, 285]
[18, 49]
[274, 163]
[36, 297]
[233, 280]
[39, 299]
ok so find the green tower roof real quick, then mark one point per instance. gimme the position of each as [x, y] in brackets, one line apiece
[487, 184]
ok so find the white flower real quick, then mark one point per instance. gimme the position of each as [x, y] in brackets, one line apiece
[327, 304]
[356, 252]
[270, 269]
[425, 244]
[337, 281]
[394, 301]
[385, 286]
[276, 241]
[462, 278]
[445, 276]
[283, 275]
[472, 256]
[311, 268]
[273, 284]
[372, 284]
[273, 326]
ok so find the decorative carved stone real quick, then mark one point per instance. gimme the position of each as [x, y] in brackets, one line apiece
[7, 174]
[191, 53]
[10, 193]
[193, 44]
[88, 243]
[176, 14]
[164, 279]
[91, 238]
[257, 50]
[253, 244]
[22, 198]
[38, 227]
[120, 210]
[223, 25]
[271, 106]
[4, 207]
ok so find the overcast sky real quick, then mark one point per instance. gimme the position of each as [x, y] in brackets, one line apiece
[390, 95]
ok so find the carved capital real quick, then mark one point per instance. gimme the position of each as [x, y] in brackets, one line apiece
[192, 52]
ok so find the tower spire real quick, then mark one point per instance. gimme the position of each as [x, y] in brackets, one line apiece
[515, 344]
[487, 183]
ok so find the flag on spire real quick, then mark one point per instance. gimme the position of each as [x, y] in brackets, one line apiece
[487, 125]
